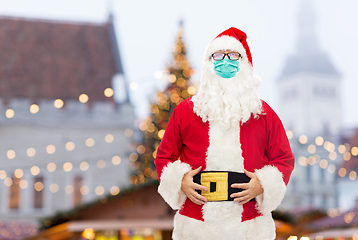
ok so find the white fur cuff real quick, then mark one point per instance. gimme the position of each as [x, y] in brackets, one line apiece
[274, 189]
[170, 183]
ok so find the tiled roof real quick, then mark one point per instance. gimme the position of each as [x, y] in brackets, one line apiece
[17, 229]
[49, 60]
[316, 62]
[345, 220]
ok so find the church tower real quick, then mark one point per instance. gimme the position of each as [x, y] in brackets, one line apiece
[309, 86]
[310, 107]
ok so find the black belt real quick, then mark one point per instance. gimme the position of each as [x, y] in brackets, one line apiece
[219, 184]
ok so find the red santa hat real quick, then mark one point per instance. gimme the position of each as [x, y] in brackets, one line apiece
[233, 39]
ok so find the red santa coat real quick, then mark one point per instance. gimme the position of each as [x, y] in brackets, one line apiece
[260, 145]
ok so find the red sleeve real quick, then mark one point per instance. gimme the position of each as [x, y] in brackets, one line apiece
[278, 147]
[170, 147]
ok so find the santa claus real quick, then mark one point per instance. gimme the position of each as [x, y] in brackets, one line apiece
[224, 161]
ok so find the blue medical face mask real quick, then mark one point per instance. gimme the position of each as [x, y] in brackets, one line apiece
[226, 68]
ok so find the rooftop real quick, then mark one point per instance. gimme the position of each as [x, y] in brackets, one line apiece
[308, 56]
[44, 59]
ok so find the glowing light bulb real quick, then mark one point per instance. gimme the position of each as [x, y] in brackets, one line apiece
[311, 149]
[141, 149]
[2, 174]
[109, 138]
[303, 139]
[99, 190]
[116, 160]
[161, 133]
[319, 141]
[8, 182]
[83, 98]
[323, 163]
[9, 113]
[35, 170]
[50, 149]
[303, 161]
[34, 108]
[89, 142]
[67, 166]
[58, 103]
[51, 167]
[39, 186]
[31, 152]
[342, 172]
[23, 184]
[84, 190]
[101, 163]
[70, 146]
[54, 187]
[18, 173]
[69, 189]
[84, 166]
[331, 168]
[114, 190]
[11, 154]
[354, 151]
[128, 132]
[108, 92]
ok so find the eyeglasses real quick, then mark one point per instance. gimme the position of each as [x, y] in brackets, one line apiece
[220, 56]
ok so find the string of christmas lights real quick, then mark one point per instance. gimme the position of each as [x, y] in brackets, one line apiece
[70, 145]
[345, 150]
[67, 167]
[58, 103]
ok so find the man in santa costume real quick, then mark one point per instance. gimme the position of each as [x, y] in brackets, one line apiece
[224, 161]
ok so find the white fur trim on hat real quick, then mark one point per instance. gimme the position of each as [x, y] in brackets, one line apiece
[223, 43]
[274, 189]
[170, 183]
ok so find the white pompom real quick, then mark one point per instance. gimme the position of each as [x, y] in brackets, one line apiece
[257, 81]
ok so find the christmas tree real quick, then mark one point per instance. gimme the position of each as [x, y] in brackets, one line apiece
[178, 73]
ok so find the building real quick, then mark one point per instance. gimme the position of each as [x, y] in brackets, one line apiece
[309, 85]
[338, 225]
[310, 108]
[347, 175]
[127, 215]
[64, 137]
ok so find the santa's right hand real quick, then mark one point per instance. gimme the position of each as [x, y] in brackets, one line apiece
[189, 187]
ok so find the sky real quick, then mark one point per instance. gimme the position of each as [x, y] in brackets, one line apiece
[146, 32]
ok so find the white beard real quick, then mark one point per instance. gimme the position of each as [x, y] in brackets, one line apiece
[230, 101]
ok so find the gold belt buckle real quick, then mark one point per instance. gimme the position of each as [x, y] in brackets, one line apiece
[220, 180]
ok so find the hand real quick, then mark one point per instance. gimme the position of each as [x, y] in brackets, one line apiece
[251, 189]
[188, 187]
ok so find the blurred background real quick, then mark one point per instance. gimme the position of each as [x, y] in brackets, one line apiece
[87, 88]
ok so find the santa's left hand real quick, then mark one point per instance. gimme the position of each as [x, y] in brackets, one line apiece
[251, 189]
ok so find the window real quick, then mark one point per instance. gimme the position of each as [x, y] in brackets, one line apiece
[39, 192]
[323, 171]
[308, 173]
[77, 196]
[324, 91]
[290, 94]
[14, 196]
